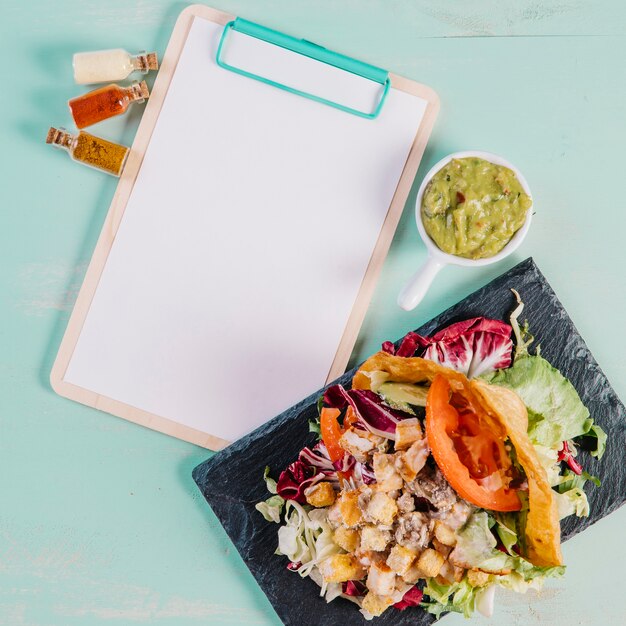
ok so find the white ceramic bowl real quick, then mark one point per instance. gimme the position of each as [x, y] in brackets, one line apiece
[418, 284]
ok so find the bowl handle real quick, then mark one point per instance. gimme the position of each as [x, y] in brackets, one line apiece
[413, 292]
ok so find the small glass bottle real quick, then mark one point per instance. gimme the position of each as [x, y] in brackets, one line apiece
[99, 153]
[105, 102]
[104, 65]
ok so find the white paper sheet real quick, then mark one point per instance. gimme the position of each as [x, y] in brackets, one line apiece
[245, 239]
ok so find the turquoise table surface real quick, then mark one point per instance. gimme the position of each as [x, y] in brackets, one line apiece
[100, 521]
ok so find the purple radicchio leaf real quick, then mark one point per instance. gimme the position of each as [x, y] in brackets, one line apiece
[336, 397]
[345, 464]
[295, 479]
[409, 344]
[353, 588]
[376, 416]
[364, 473]
[473, 347]
[370, 410]
[312, 466]
[411, 598]
[317, 457]
[388, 347]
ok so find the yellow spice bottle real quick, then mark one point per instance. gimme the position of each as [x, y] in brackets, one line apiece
[91, 150]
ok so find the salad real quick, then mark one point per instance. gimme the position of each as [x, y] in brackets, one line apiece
[441, 474]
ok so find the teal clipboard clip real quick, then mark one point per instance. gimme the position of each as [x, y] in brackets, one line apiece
[309, 49]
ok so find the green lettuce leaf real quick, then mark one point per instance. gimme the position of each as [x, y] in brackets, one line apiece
[569, 480]
[475, 542]
[570, 497]
[548, 457]
[457, 597]
[314, 427]
[596, 432]
[270, 483]
[476, 547]
[555, 411]
[506, 527]
[271, 508]
[572, 502]
[516, 581]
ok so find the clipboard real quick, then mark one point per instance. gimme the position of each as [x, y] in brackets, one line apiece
[246, 234]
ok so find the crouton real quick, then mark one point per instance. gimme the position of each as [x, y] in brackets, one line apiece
[387, 478]
[407, 432]
[450, 573]
[400, 559]
[444, 533]
[320, 495]
[476, 578]
[459, 572]
[349, 507]
[430, 562]
[382, 508]
[375, 605]
[373, 538]
[413, 574]
[340, 568]
[346, 538]
[446, 574]
[410, 463]
[381, 579]
[441, 548]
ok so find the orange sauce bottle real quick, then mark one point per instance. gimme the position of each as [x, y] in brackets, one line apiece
[105, 102]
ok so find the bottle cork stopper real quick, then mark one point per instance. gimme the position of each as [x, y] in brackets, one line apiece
[152, 60]
[59, 137]
[142, 88]
[52, 134]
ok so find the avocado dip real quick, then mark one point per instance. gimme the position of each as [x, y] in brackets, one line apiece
[471, 207]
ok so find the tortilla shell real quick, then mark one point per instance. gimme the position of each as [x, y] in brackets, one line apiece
[543, 531]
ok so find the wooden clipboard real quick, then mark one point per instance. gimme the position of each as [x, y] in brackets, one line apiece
[151, 418]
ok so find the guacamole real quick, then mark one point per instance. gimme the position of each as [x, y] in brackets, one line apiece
[472, 208]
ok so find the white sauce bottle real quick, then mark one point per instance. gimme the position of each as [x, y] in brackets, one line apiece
[107, 65]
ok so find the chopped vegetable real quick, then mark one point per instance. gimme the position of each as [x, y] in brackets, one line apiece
[555, 411]
[476, 548]
[367, 408]
[271, 508]
[412, 597]
[354, 588]
[473, 347]
[331, 432]
[470, 453]
[312, 466]
[566, 455]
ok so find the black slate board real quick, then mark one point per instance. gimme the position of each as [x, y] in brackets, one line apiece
[232, 483]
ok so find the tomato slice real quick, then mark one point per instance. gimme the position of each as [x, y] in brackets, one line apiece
[331, 433]
[350, 418]
[472, 457]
